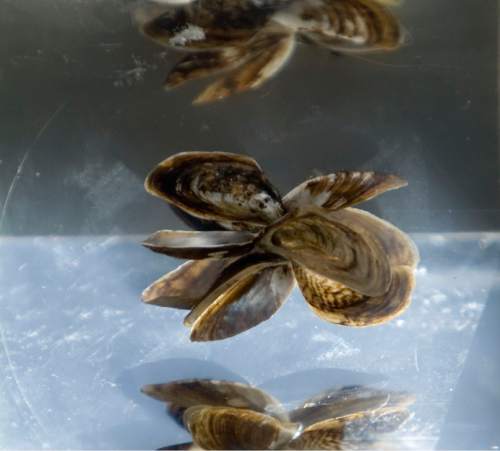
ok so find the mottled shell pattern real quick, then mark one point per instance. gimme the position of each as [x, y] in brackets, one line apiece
[353, 268]
[230, 415]
[248, 41]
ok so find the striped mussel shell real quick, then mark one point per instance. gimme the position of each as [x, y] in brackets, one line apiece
[226, 188]
[344, 25]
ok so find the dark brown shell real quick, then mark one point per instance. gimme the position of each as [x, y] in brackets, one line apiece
[205, 24]
[245, 304]
[237, 272]
[227, 188]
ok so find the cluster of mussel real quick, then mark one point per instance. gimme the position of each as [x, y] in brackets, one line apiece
[230, 415]
[248, 41]
[352, 268]
[252, 245]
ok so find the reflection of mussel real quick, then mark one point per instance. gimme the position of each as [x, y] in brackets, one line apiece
[352, 267]
[228, 415]
[251, 40]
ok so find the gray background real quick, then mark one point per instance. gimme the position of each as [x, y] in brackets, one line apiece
[83, 119]
[427, 112]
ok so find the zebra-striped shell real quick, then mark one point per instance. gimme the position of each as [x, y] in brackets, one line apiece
[233, 428]
[343, 25]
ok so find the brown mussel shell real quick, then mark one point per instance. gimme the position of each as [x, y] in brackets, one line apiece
[362, 430]
[230, 415]
[193, 392]
[347, 25]
[232, 428]
[339, 304]
[234, 274]
[200, 245]
[187, 285]
[341, 189]
[248, 302]
[248, 42]
[311, 239]
[338, 403]
[205, 24]
[227, 188]
[251, 66]
[399, 247]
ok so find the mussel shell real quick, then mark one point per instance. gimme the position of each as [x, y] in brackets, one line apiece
[344, 25]
[384, 421]
[339, 402]
[361, 430]
[264, 56]
[205, 24]
[200, 245]
[245, 304]
[238, 271]
[230, 428]
[196, 65]
[328, 437]
[187, 285]
[341, 189]
[227, 188]
[399, 247]
[370, 427]
[344, 402]
[339, 304]
[186, 393]
[310, 238]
